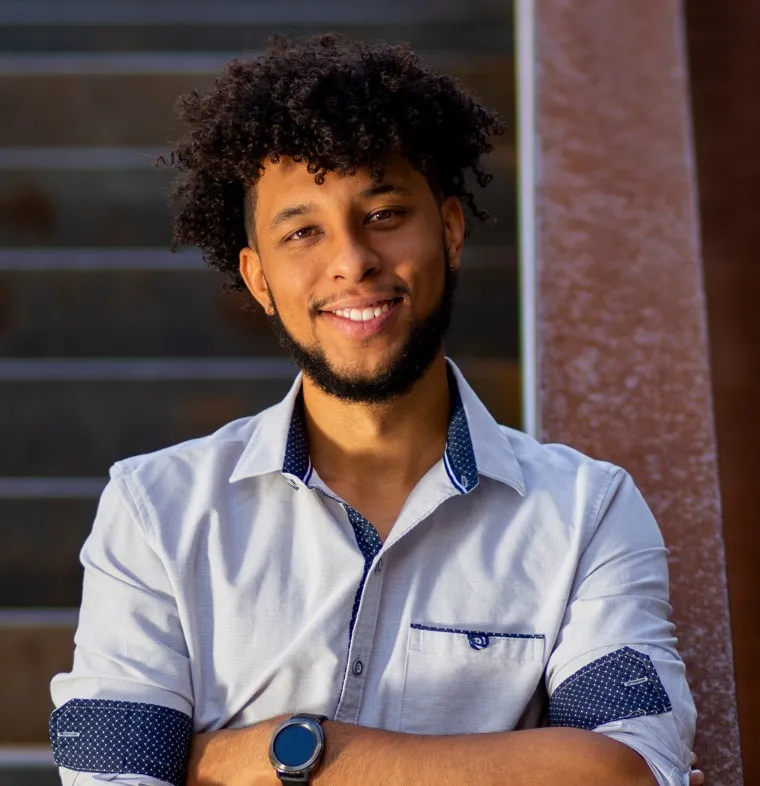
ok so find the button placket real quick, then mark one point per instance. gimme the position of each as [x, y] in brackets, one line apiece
[364, 621]
[349, 705]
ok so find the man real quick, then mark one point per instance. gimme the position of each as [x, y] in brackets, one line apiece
[371, 582]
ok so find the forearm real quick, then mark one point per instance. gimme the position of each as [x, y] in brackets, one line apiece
[373, 757]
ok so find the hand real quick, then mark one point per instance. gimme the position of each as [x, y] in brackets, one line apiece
[697, 777]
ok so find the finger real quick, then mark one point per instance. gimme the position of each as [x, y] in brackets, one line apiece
[693, 758]
[696, 778]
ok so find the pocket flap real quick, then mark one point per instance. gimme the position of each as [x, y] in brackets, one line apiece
[474, 643]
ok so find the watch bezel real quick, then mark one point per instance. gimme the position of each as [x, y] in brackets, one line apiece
[319, 735]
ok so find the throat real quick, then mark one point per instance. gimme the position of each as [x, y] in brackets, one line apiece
[380, 505]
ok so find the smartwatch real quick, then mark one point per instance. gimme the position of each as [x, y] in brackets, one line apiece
[297, 746]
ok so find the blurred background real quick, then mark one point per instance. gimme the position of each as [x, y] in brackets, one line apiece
[110, 345]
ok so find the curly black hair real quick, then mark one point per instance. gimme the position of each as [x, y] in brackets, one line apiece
[333, 104]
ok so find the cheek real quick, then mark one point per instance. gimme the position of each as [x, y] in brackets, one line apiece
[292, 287]
[424, 274]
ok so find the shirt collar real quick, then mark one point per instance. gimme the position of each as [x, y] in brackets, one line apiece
[493, 453]
[476, 444]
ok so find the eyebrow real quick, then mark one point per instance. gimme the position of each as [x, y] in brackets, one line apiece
[294, 211]
[381, 189]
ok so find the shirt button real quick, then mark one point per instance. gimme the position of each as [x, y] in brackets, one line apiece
[477, 641]
[379, 565]
[358, 667]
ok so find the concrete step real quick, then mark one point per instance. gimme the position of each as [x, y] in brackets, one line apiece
[80, 419]
[36, 646]
[128, 99]
[48, 312]
[39, 561]
[69, 205]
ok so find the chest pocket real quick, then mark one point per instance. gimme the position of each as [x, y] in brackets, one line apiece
[468, 681]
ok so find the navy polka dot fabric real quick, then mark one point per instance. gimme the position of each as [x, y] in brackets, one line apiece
[459, 457]
[297, 460]
[124, 737]
[623, 684]
[369, 544]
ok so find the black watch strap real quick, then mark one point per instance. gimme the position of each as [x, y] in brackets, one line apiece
[310, 716]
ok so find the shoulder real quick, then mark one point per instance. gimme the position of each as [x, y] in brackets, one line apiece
[222, 446]
[564, 473]
[195, 471]
[551, 458]
[584, 493]
[174, 490]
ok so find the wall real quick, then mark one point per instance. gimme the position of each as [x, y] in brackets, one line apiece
[623, 352]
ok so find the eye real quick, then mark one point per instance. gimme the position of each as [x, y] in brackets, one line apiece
[301, 234]
[384, 215]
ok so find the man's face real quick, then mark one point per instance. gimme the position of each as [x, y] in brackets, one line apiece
[356, 277]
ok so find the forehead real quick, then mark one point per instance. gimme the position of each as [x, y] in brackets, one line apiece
[288, 181]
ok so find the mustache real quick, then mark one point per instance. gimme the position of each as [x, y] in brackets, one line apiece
[388, 292]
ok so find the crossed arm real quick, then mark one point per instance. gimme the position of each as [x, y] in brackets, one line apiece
[616, 602]
[374, 757]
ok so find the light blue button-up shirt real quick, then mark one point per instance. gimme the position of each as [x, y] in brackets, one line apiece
[522, 585]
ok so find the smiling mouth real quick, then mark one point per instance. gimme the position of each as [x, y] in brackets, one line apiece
[366, 313]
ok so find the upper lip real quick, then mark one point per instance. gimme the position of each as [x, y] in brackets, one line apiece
[365, 302]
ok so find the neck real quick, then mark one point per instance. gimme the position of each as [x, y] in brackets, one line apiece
[396, 442]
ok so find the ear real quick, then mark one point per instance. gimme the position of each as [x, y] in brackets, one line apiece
[253, 275]
[453, 229]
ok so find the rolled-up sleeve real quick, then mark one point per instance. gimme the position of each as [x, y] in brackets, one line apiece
[124, 711]
[615, 668]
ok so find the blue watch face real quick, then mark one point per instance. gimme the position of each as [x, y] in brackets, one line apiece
[294, 745]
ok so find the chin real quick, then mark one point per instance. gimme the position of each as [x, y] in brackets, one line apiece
[365, 367]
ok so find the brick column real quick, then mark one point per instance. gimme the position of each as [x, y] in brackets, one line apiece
[623, 369]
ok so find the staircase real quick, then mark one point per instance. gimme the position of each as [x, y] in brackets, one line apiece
[112, 346]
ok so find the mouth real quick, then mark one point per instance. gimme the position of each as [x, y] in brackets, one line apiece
[365, 312]
[363, 319]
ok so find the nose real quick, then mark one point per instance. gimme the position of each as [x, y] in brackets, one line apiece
[352, 260]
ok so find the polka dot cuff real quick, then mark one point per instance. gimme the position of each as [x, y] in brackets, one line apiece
[623, 684]
[124, 737]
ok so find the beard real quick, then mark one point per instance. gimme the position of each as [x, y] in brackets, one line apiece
[398, 376]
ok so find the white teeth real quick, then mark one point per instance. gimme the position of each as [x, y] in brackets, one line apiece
[362, 314]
